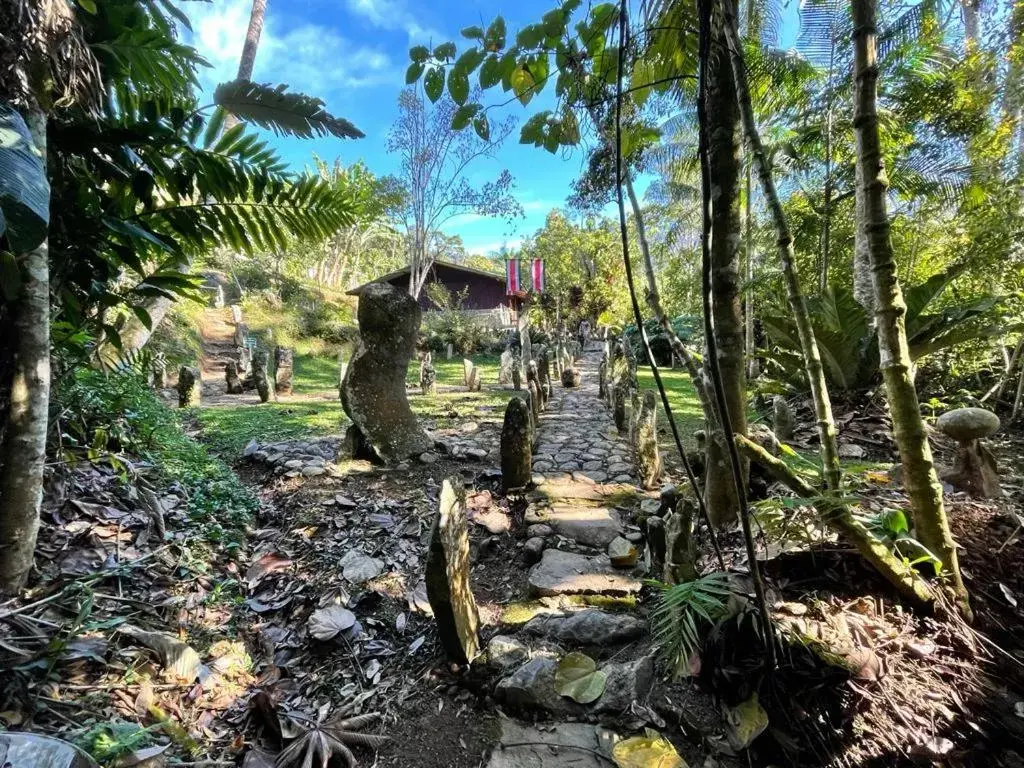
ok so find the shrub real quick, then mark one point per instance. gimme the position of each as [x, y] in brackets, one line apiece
[115, 418]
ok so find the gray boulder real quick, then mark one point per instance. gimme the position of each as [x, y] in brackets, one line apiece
[965, 424]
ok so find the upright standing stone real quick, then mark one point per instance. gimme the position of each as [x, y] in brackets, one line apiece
[516, 445]
[241, 334]
[449, 352]
[467, 371]
[373, 391]
[620, 395]
[234, 384]
[236, 313]
[264, 385]
[447, 576]
[533, 375]
[244, 360]
[505, 368]
[342, 366]
[648, 458]
[158, 371]
[474, 380]
[544, 375]
[681, 549]
[525, 344]
[517, 372]
[602, 378]
[283, 359]
[534, 390]
[783, 422]
[571, 377]
[428, 377]
[190, 387]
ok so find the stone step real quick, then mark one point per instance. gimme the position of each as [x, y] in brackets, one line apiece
[567, 573]
[552, 745]
[587, 525]
[590, 627]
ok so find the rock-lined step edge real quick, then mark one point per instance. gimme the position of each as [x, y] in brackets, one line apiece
[589, 627]
[553, 745]
[567, 573]
[587, 525]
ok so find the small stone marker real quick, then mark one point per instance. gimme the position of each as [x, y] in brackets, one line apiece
[190, 387]
[783, 421]
[264, 386]
[602, 378]
[505, 368]
[516, 445]
[234, 384]
[544, 375]
[517, 373]
[975, 471]
[447, 576]
[648, 458]
[467, 371]
[283, 357]
[570, 378]
[428, 377]
[449, 352]
[244, 360]
[158, 372]
[474, 380]
[619, 397]
[531, 386]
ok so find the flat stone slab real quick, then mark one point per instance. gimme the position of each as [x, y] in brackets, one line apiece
[590, 627]
[552, 745]
[567, 573]
[588, 525]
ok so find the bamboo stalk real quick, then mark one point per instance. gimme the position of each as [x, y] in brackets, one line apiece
[931, 527]
[784, 241]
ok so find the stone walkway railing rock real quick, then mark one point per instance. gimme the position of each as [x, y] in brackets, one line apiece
[576, 433]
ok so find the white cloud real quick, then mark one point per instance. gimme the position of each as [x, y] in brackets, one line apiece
[310, 58]
[541, 206]
[393, 14]
[489, 248]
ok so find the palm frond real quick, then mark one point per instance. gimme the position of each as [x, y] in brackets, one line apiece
[286, 114]
[683, 615]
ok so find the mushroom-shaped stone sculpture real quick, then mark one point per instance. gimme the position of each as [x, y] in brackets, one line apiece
[974, 472]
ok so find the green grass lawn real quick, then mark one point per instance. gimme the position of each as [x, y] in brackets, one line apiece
[685, 406]
[227, 429]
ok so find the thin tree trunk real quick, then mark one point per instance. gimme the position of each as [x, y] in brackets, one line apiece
[784, 241]
[920, 480]
[724, 149]
[23, 443]
[1018, 400]
[863, 290]
[748, 247]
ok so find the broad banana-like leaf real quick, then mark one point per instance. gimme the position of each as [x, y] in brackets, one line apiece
[24, 188]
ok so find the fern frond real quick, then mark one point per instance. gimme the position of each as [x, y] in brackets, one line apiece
[284, 113]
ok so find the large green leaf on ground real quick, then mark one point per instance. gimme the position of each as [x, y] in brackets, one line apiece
[287, 114]
[24, 188]
[579, 678]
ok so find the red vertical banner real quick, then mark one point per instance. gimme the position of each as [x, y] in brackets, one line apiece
[537, 275]
[512, 276]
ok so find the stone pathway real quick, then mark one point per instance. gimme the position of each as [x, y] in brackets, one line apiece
[576, 433]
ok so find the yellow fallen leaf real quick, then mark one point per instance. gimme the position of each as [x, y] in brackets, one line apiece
[649, 751]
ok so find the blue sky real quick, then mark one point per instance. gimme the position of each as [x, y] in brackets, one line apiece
[353, 54]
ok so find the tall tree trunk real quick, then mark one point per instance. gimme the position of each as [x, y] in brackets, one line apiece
[135, 335]
[252, 44]
[919, 478]
[23, 436]
[863, 289]
[784, 241]
[748, 272]
[726, 228]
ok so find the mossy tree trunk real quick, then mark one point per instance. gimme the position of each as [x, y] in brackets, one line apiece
[919, 478]
[784, 242]
[724, 150]
[23, 433]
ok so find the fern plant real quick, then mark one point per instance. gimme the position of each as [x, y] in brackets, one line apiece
[683, 615]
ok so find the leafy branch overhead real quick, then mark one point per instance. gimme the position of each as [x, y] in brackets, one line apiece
[576, 57]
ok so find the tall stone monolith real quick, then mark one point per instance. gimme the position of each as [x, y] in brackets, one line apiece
[373, 390]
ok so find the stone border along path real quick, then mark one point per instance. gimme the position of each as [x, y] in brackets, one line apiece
[576, 433]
